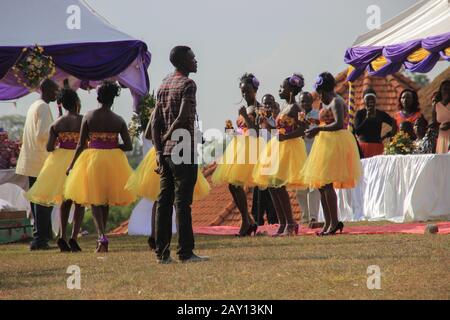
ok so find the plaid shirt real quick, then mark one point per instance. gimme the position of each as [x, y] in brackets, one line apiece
[175, 89]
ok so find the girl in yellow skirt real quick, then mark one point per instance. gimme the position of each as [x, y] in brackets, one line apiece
[334, 159]
[145, 182]
[235, 167]
[48, 188]
[282, 160]
[98, 174]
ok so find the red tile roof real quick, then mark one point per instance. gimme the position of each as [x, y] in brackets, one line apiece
[426, 93]
[388, 89]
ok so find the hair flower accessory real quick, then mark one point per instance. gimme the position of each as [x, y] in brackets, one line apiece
[319, 82]
[296, 80]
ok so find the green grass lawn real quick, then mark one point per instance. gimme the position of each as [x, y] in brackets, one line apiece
[412, 266]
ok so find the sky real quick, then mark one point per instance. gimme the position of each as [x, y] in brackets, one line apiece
[269, 38]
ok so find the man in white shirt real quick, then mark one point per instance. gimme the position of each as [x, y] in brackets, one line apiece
[32, 157]
[309, 199]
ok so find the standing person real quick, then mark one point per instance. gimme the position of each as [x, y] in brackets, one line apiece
[48, 188]
[409, 107]
[236, 166]
[176, 109]
[99, 169]
[144, 182]
[281, 161]
[262, 201]
[443, 117]
[334, 160]
[368, 125]
[32, 157]
[309, 199]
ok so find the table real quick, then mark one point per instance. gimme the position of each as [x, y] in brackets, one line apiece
[399, 188]
[10, 176]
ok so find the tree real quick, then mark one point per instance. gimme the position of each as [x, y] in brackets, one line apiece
[420, 78]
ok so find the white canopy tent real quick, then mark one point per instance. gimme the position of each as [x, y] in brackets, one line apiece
[425, 18]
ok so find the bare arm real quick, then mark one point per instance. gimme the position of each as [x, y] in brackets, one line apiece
[127, 145]
[84, 135]
[148, 130]
[155, 128]
[52, 139]
[300, 126]
[248, 122]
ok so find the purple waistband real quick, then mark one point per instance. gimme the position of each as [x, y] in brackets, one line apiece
[103, 144]
[71, 145]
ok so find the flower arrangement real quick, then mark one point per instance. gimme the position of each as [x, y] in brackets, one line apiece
[401, 143]
[139, 121]
[33, 67]
[9, 151]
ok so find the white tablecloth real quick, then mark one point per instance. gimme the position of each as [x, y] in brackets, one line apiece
[10, 176]
[399, 189]
[12, 189]
[140, 222]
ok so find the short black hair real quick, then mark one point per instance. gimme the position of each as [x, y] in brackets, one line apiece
[47, 84]
[439, 92]
[177, 55]
[306, 93]
[68, 98]
[415, 102]
[107, 92]
[268, 95]
[327, 82]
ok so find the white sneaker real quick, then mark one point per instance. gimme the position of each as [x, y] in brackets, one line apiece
[195, 258]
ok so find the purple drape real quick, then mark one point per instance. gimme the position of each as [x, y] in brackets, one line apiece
[396, 56]
[85, 61]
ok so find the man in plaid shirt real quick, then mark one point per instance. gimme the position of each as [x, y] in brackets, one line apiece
[175, 114]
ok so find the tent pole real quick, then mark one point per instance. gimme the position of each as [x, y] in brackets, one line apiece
[351, 106]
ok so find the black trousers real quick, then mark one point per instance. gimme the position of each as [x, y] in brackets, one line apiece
[265, 206]
[42, 215]
[177, 188]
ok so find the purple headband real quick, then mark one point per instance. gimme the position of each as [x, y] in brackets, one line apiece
[255, 82]
[319, 82]
[296, 80]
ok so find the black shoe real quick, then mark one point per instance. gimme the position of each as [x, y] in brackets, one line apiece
[74, 247]
[62, 245]
[194, 258]
[35, 247]
[165, 260]
[151, 243]
[339, 226]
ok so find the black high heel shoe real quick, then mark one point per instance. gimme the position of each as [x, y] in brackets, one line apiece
[151, 243]
[339, 226]
[253, 228]
[62, 245]
[74, 247]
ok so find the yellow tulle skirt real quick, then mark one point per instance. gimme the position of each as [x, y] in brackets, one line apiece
[334, 158]
[240, 157]
[49, 185]
[144, 181]
[99, 177]
[280, 164]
